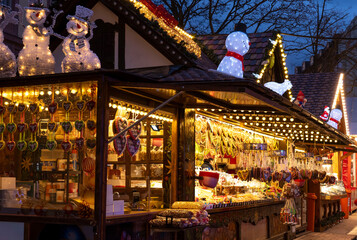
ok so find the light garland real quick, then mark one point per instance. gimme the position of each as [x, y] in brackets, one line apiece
[177, 33]
[340, 88]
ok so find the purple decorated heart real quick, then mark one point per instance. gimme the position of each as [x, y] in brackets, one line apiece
[90, 105]
[2, 127]
[66, 146]
[91, 143]
[91, 125]
[134, 131]
[2, 145]
[2, 109]
[67, 126]
[51, 144]
[33, 127]
[11, 108]
[52, 108]
[67, 106]
[119, 124]
[79, 125]
[79, 143]
[21, 107]
[132, 145]
[119, 144]
[80, 105]
[21, 145]
[32, 146]
[10, 146]
[21, 127]
[33, 107]
[11, 127]
[52, 126]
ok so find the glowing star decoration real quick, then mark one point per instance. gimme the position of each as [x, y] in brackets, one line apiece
[7, 58]
[78, 56]
[237, 44]
[335, 117]
[35, 58]
[279, 88]
[326, 114]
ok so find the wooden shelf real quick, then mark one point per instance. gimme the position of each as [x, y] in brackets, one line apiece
[60, 172]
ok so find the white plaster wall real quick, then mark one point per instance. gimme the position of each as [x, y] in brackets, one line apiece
[139, 53]
[11, 230]
[100, 12]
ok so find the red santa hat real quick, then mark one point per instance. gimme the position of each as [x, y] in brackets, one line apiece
[300, 97]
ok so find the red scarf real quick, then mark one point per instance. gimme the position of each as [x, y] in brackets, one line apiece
[236, 56]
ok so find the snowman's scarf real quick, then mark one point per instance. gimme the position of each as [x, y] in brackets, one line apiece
[37, 29]
[80, 42]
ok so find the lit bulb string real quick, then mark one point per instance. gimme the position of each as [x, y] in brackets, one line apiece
[235, 126]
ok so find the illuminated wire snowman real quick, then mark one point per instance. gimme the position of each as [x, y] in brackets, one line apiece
[7, 58]
[78, 56]
[237, 44]
[35, 58]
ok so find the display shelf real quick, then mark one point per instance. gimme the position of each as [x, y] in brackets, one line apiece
[60, 172]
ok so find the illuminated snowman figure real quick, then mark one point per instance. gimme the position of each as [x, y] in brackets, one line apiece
[7, 58]
[237, 44]
[78, 56]
[335, 117]
[35, 58]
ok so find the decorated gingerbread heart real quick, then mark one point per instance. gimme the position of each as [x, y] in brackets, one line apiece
[79, 143]
[67, 126]
[21, 107]
[32, 146]
[120, 144]
[90, 143]
[88, 164]
[11, 108]
[52, 126]
[2, 127]
[33, 127]
[134, 131]
[80, 105]
[2, 109]
[2, 145]
[51, 144]
[66, 146]
[21, 127]
[119, 124]
[91, 125]
[33, 107]
[21, 145]
[10, 146]
[11, 127]
[90, 105]
[67, 106]
[132, 145]
[79, 125]
[52, 108]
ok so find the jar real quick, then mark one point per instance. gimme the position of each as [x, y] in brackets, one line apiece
[61, 164]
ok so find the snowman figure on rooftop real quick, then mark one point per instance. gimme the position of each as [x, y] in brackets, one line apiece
[7, 58]
[35, 58]
[78, 56]
[237, 44]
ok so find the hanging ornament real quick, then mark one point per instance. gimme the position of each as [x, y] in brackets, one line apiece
[326, 114]
[32, 145]
[91, 124]
[279, 88]
[79, 124]
[7, 59]
[22, 126]
[11, 126]
[335, 117]
[67, 126]
[2, 124]
[135, 131]
[35, 58]
[51, 142]
[78, 56]
[300, 99]
[237, 44]
[88, 165]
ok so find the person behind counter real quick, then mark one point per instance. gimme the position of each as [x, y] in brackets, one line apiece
[207, 164]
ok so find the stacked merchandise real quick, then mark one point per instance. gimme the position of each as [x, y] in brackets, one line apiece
[182, 215]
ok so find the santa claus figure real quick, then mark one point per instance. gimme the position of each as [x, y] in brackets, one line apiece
[300, 99]
[326, 114]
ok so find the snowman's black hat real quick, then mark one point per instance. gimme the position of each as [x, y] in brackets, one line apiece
[241, 27]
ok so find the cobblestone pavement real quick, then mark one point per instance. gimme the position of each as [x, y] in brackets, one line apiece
[346, 230]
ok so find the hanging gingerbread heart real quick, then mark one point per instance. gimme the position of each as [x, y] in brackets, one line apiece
[52, 126]
[52, 108]
[88, 164]
[21, 127]
[2, 110]
[91, 143]
[11, 108]
[134, 131]
[2, 145]
[2, 127]
[80, 105]
[21, 107]
[79, 143]
[21, 145]
[51, 144]
[132, 145]
[66, 146]
[33, 108]
[10, 146]
[119, 124]
[67, 127]
[67, 106]
[91, 125]
[11, 127]
[33, 127]
[120, 144]
[90, 105]
[79, 125]
[32, 146]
